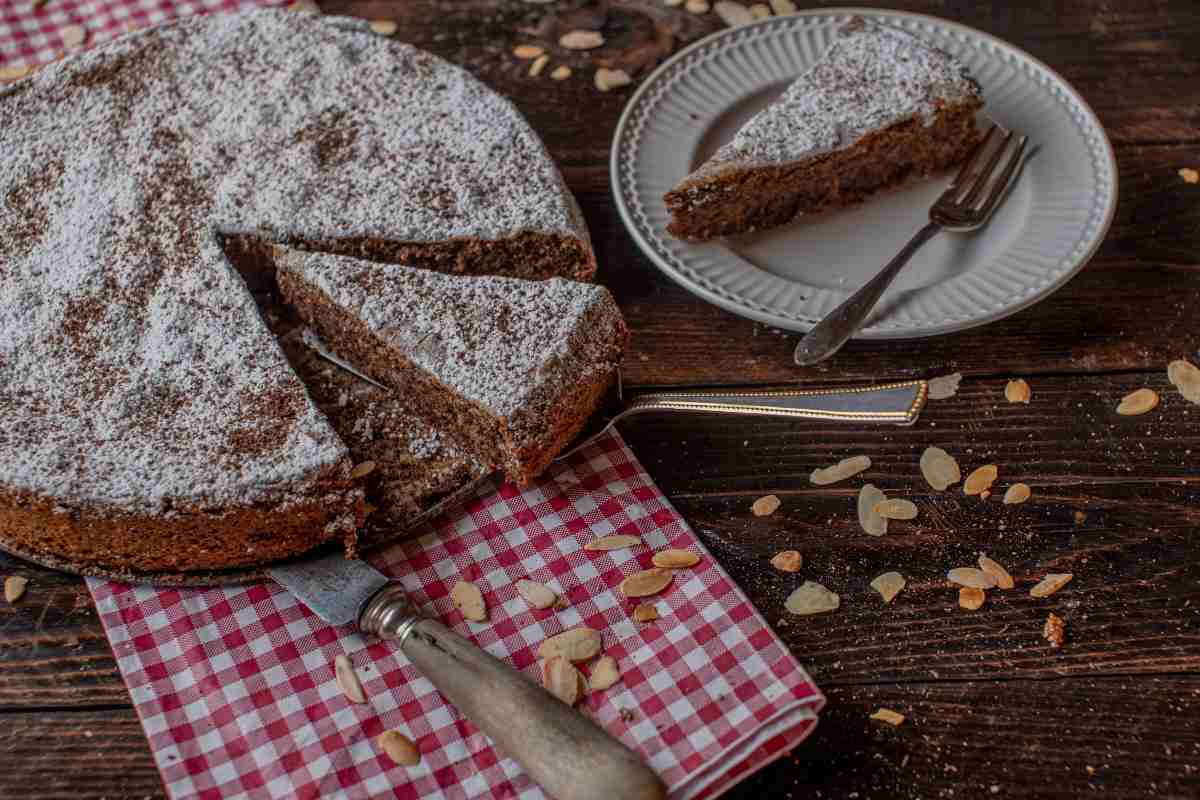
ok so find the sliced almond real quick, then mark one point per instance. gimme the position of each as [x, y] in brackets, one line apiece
[538, 595]
[765, 506]
[560, 73]
[732, 14]
[787, 561]
[525, 52]
[846, 468]
[581, 40]
[1055, 630]
[14, 73]
[1139, 402]
[347, 679]
[896, 509]
[1185, 376]
[14, 588]
[971, 598]
[73, 35]
[981, 480]
[869, 497]
[782, 7]
[538, 65]
[615, 541]
[811, 598]
[939, 468]
[760, 11]
[888, 716]
[697, 6]
[605, 673]
[1189, 175]
[645, 613]
[467, 598]
[999, 574]
[362, 470]
[576, 644]
[888, 585]
[942, 387]
[561, 679]
[399, 748]
[1017, 493]
[675, 559]
[1051, 584]
[647, 582]
[384, 27]
[1018, 391]
[969, 576]
[607, 79]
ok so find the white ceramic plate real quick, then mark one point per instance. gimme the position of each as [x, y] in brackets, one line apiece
[1053, 220]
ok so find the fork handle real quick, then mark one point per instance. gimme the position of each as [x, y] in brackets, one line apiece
[828, 336]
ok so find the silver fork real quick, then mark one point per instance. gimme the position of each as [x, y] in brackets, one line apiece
[965, 206]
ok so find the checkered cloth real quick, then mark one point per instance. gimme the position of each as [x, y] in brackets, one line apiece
[236, 690]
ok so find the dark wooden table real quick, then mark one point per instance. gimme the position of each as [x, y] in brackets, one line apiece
[992, 709]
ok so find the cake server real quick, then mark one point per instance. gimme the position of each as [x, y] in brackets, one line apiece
[568, 755]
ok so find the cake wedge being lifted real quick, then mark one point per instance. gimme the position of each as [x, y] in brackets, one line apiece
[511, 367]
[878, 107]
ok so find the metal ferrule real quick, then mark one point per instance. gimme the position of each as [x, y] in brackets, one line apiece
[389, 614]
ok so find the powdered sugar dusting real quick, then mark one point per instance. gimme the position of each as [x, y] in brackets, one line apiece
[134, 368]
[871, 76]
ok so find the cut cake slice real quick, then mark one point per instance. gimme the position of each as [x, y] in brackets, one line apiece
[512, 368]
[879, 106]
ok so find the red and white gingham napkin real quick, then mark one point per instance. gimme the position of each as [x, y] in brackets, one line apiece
[236, 691]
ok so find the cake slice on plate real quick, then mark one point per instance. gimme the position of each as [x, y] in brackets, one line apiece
[879, 106]
[511, 367]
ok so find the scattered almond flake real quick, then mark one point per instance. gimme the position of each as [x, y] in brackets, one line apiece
[362, 470]
[1051, 584]
[999, 574]
[561, 72]
[73, 35]
[467, 598]
[1185, 376]
[576, 644]
[981, 479]
[1189, 175]
[399, 748]
[972, 577]
[1080, 517]
[645, 613]
[561, 679]
[945, 386]
[674, 558]
[787, 561]
[782, 7]
[1055, 630]
[1018, 391]
[605, 673]
[765, 506]
[846, 468]
[971, 598]
[528, 51]
[888, 716]
[581, 40]
[939, 468]
[305, 7]
[538, 595]
[985, 494]
[384, 27]
[347, 679]
[697, 6]
[896, 509]
[614, 541]
[732, 14]
[538, 65]
[14, 73]
[888, 585]
[811, 598]
[1017, 493]
[14, 588]
[869, 497]
[607, 79]
[647, 582]
[1138, 402]
[760, 11]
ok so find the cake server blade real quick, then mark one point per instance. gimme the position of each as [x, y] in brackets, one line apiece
[334, 587]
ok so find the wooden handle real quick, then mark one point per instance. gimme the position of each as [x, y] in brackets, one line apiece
[569, 756]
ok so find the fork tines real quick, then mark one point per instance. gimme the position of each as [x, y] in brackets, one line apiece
[976, 179]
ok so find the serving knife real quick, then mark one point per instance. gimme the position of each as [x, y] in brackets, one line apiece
[558, 747]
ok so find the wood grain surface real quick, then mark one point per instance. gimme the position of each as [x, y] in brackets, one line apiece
[992, 709]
